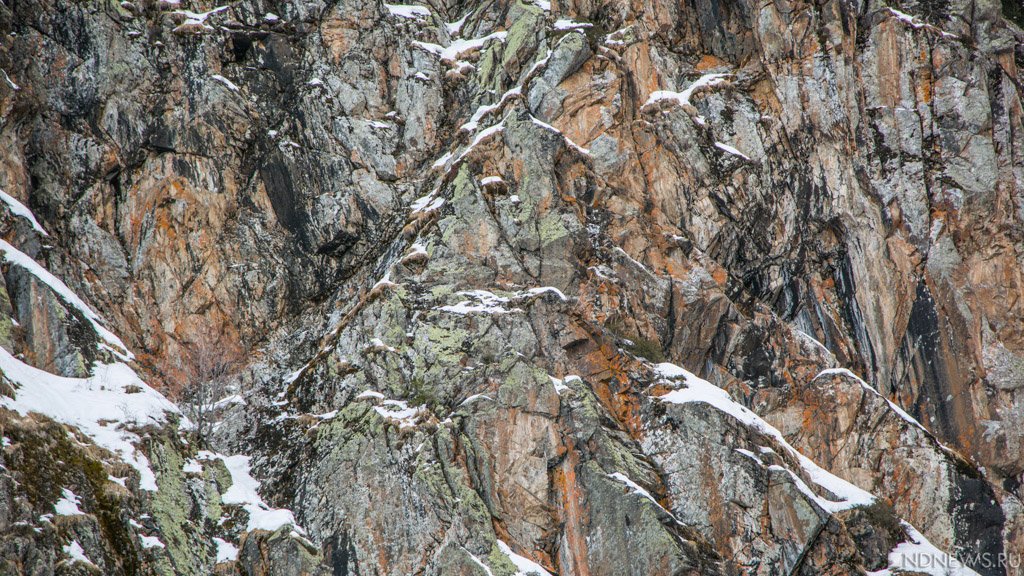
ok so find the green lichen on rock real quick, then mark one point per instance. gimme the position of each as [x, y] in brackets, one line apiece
[551, 228]
[521, 42]
[47, 461]
[180, 518]
[500, 564]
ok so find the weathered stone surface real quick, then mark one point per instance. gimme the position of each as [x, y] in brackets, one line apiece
[440, 251]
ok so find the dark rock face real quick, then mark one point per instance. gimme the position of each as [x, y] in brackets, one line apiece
[433, 270]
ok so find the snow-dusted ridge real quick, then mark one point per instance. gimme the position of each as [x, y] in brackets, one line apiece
[524, 566]
[19, 209]
[683, 97]
[105, 406]
[18, 258]
[110, 407]
[848, 495]
[244, 492]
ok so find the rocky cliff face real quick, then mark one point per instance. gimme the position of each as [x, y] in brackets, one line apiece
[580, 288]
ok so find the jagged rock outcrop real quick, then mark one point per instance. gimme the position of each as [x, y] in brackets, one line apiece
[454, 255]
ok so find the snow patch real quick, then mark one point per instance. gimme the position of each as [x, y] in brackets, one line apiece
[230, 85]
[559, 385]
[479, 563]
[484, 110]
[399, 412]
[454, 28]
[19, 258]
[75, 552]
[904, 557]
[868, 388]
[567, 24]
[440, 162]
[683, 97]
[197, 18]
[485, 303]
[244, 492]
[920, 556]
[524, 566]
[633, 485]
[459, 46]
[481, 136]
[917, 23]
[546, 290]
[474, 398]
[366, 394]
[68, 504]
[19, 209]
[226, 551]
[547, 126]
[699, 390]
[10, 82]
[150, 542]
[731, 150]
[408, 11]
[103, 406]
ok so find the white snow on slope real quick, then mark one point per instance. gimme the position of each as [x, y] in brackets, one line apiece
[921, 557]
[200, 17]
[481, 136]
[75, 552]
[683, 97]
[454, 28]
[483, 302]
[408, 11]
[100, 406]
[868, 388]
[68, 504]
[639, 490]
[459, 46]
[849, 496]
[568, 141]
[428, 203]
[478, 562]
[731, 150]
[19, 209]
[244, 492]
[524, 566]
[474, 398]
[366, 394]
[440, 162]
[484, 110]
[486, 302]
[19, 258]
[150, 542]
[400, 412]
[567, 24]
[10, 82]
[226, 551]
[916, 23]
[197, 18]
[545, 290]
[228, 83]
[619, 476]
[559, 385]
[699, 390]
